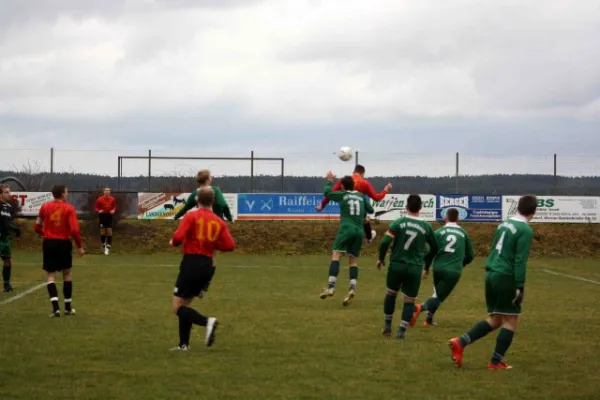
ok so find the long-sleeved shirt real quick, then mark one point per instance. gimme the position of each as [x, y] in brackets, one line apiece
[58, 220]
[7, 224]
[220, 206]
[105, 204]
[203, 232]
[360, 185]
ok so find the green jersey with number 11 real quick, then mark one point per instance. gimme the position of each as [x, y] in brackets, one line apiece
[410, 236]
[510, 249]
[353, 207]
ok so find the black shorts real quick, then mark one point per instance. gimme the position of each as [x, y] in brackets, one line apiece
[195, 274]
[106, 220]
[57, 254]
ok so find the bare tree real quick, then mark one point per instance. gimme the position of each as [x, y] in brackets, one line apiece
[32, 175]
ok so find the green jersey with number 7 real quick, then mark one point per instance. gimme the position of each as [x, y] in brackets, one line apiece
[510, 249]
[410, 235]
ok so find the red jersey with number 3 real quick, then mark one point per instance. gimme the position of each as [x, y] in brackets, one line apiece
[58, 220]
[203, 232]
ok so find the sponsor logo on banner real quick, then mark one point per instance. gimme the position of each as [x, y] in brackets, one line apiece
[393, 206]
[558, 209]
[259, 206]
[471, 208]
[166, 205]
[31, 202]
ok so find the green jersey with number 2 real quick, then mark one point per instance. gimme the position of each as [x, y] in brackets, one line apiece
[411, 234]
[455, 244]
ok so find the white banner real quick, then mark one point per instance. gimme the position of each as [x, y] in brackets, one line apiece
[393, 206]
[558, 209]
[31, 202]
[166, 205]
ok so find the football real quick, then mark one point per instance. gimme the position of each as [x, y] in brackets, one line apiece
[345, 153]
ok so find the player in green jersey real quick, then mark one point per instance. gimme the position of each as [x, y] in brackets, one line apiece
[353, 210]
[7, 229]
[220, 207]
[408, 236]
[455, 252]
[505, 271]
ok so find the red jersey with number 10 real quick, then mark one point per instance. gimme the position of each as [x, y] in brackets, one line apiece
[58, 220]
[203, 232]
[360, 185]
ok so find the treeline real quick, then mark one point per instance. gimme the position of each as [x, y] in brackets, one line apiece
[484, 184]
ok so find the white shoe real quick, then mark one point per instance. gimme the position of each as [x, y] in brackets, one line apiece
[55, 314]
[72, 312]
[106, 250]
[211, 327]
[373, 236]
[181, 348]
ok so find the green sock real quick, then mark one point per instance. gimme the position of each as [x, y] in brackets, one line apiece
[479, 330]
[334, 270]
[407, 313]
[431, 306]
[389, 305]
[503, 342]
[353, 277]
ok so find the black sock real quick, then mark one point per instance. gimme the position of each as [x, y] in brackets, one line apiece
[6, 274]
[53, 293]
[368, 231]
[185, 330]
[68, 293]
[109, 240]
[192, 316]
[103, 239]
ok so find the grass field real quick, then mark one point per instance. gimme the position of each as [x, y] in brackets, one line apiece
[278, 340]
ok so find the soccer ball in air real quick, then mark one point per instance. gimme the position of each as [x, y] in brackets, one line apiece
[345, 153]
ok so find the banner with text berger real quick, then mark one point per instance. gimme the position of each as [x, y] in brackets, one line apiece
[471, 208]
[293, 206]
[166, 205]
[559, 209]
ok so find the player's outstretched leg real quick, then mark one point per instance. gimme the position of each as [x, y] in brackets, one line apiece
[68, 292]
[6, 272]
[353, 270]
[389, 305]
[430, 306]
[407, 314]
[478, 331]
[334, 270]
[53, 294]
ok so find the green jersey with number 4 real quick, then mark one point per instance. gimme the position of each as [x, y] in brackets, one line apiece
[411, 234]
[455, 248]
[510, 249]
[353, 207]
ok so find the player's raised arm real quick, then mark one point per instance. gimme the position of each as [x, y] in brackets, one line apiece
[325, 201]
[329, 192]
[469, 253]
[370, 191]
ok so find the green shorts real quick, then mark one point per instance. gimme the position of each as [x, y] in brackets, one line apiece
[349, 240]
[500, 291]
[404, 278]
[5, 248]
[444, 283]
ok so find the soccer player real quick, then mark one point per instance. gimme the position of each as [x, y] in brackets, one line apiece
[105, 206]
[363, 186]
[7, 229]
[220, 206]
[407, 236]
[353, 209]
[57, 223]
[454, 253]
[505, 271]
[202, 232]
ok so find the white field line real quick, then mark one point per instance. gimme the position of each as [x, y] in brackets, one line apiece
[23, 294]
[571, 276]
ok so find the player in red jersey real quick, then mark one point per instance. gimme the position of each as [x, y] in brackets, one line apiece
[106, 206]
[202, 233]
[363, 186]
[57, 223]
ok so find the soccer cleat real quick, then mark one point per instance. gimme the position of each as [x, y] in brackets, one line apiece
[373, 236]
[415, 315]
[457, 351]
[106, 250]
[70, 312]
[401, 333]
[54, 314]
[183, 347]
[8, 288]
[429, 324]
[211, 327]
[348, 298]
[500, 365]
[387, 331]
[327, 293]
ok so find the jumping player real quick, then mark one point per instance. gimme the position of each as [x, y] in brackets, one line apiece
[407, 236]
[363, 186]
[455, 252]
[106, 206]
[220, 206]
[7, 229]
[505, 272]
[57, 223]
[353, 209]
[202, 233]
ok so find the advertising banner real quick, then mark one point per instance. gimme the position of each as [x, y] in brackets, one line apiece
[471, 208]
[558, 209]
[166, 205]
[278, 207]
[31, 202]
[393, 206]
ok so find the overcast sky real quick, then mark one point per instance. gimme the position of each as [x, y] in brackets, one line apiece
[407, 83]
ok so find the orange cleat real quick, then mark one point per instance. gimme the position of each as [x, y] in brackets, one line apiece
[500, 365]
[429, 324]
[457, 351]
[415, 315]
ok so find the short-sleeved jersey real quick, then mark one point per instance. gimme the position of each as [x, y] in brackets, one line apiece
[57, 219]
[353, 207]
[7, 226]
[203, 232]
[510, 249]
[454, 245]
[220, 206]
[411, 234]
[106, 204]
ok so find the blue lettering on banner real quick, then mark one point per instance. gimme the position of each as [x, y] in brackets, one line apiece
[302, 205]
[471, 208]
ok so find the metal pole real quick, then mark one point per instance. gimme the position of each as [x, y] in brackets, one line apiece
[119, 173]
[149, 170]
[282, 176]
[356, 158]
[555, 173]
[51, 160]
[457, 172]
[252, 171]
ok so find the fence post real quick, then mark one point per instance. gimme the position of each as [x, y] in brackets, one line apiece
[555, 181]
[149, 171]
[356, 158]
[457, 172]
[51, 160]
[119, 173]
[282, 176]
[252, 171]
